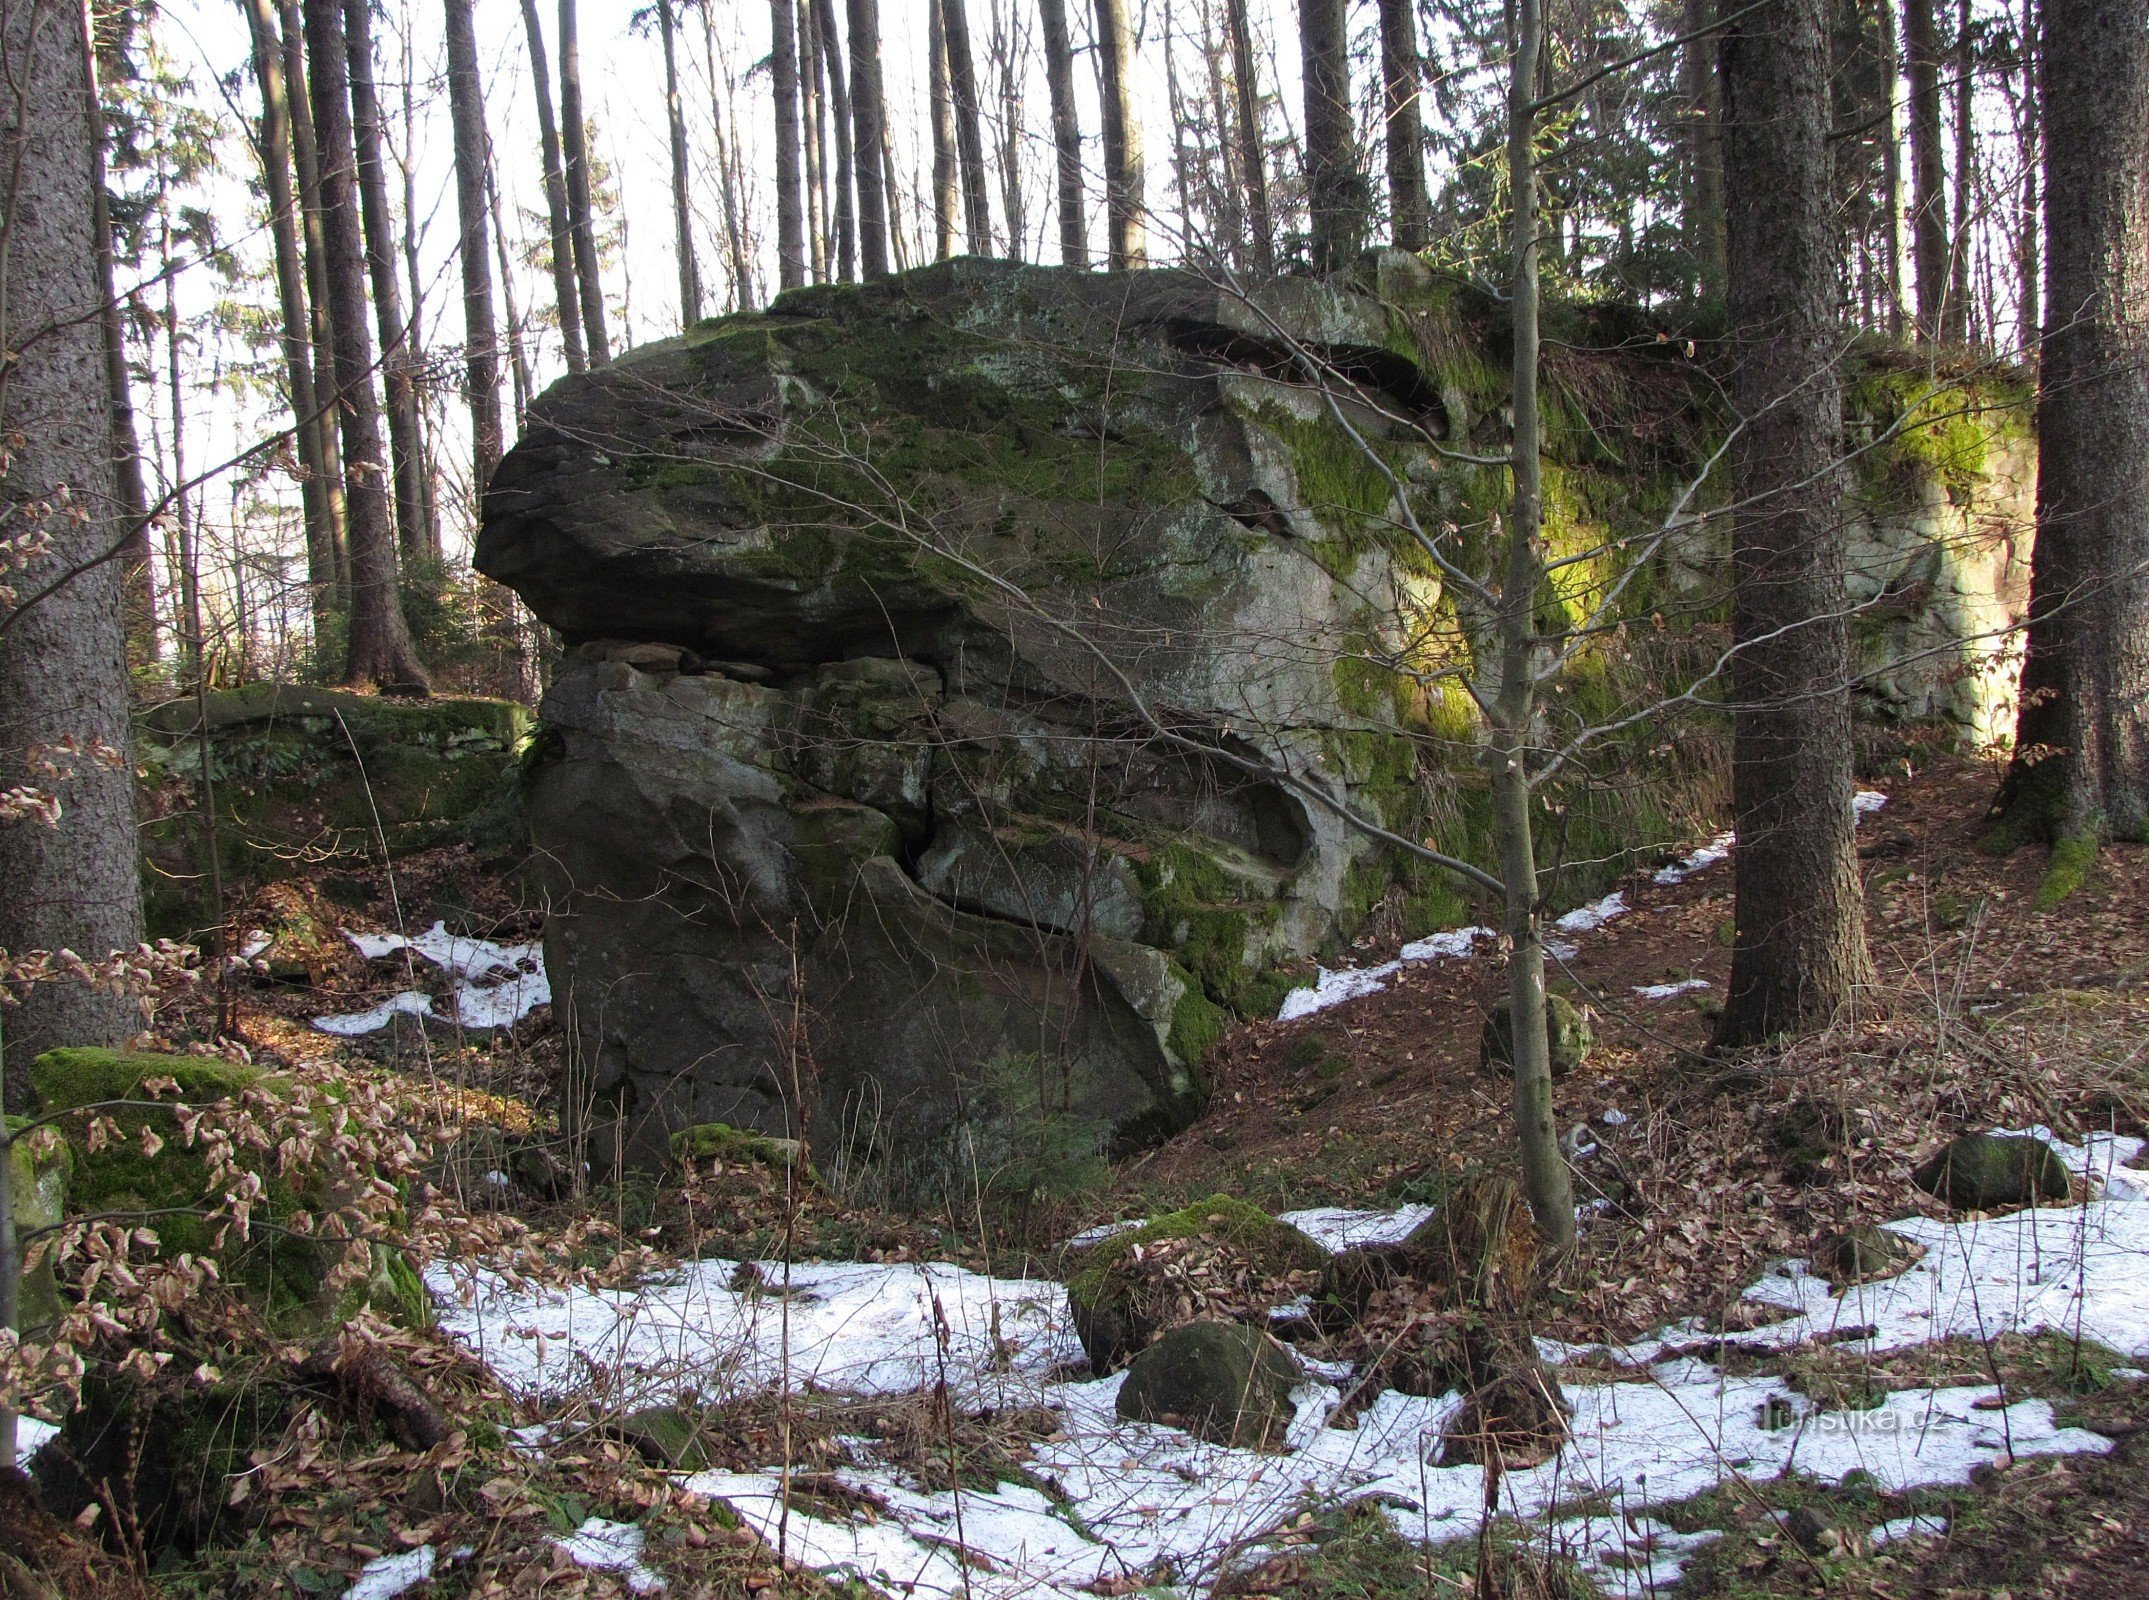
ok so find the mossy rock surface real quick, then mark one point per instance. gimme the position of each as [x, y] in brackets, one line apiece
[1113, 1315]
[41, 1161]
[1864, 1253]
[666, 1436]
[1989, 1171]
[708, 1144]
[1567, 1031]
[285, 1276]
[1221, 1381]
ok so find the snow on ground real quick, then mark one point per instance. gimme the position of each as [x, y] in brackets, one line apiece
[30, 1437]
[607, 1546]
[1332, 988]
[385, 1577]
[494, 985]
[1670, 991]
[1111, 1499]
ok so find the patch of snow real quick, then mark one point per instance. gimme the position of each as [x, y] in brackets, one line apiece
[1335, 1229]
[30, 1437]
[1667, 991]
[1333, 988]
[1101, 1232]
[605, 1546]
[1867, 801]
[1908, 1528]
[1717, 849]
[385, 1577]
[256, 943]
[1628, 1556]
[1589, 918]
[410, 1003]
[1614, 1118]
[1447, 946]
[494, 985]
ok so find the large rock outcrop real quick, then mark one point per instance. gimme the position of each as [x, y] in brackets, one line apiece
[1027, 635]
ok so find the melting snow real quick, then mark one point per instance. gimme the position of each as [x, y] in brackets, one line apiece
[494, 985]
[1134, 1500]
[612, 1547]
[385, 1577]
[1333, 1228]
[1667, 991]
[1333, 988]
[30, 1437]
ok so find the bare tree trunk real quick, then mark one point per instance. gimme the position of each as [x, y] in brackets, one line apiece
[414, 343]
[870, 158]
[809, 77]
[1066, 132]
[1401, 75]
[1335, 194]
[1004, 51]
[380, 649]
[1231, 186]
[1124, 206]
[481, 337]
[2081, 766]
[940, 108]
[1958, 306]
[1891, 167]
[1544, 1167]
[565, 290]
[307, 414]
[1928, 174]
[969, 137]
[839, 96]
[2028, 264]
[581, 222]
[724, 128]
[63, 674]
[682, 208]
[379, 224]
[312, 229]
[518, 357]
[1699, 111]
[1800, 952]
[1253, 150]
[790, 197]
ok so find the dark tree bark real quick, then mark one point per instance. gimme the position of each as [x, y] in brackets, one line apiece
[816, 142]
[481, 336]
[313, 234]
[405, 444]
[1891, 168]
[870, 157]
[380, 649]
[682, 207]
[1253, 151]
[1123, 183]
[1800, 950]
[63, 672]
[2081, 766]
[790, 191]
[1066, 131]
[566, 291]
[1335, 194]
[839, 99]
[1928, 172]
[581, 221]
[1957, 317]
[2029, 140]
[940, 111]
[307, 415]
[1698, 109]
[969, 137]
[1401, 77]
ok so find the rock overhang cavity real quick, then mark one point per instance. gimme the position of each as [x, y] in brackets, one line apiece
[1026, 600]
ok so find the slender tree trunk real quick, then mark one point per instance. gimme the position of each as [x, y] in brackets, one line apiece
[2028, 262]
[1231, 184]
[481, 337]
[1401, 75]
[1928, 172]
[870, 157]
[1335, 194]
[1253, 149]
[1699, 113]
[2081, 766]
[1066, 132]
[969, 136]
[307, 414]
[816, 144]
[581, 221]
[940, 109]
[790, 195]
[565, 290]
[1004, 50]
[722, 126]
[1124, 205]
[414, 356]
[518, 357]
[1800, 952]
[1544, 1168]
[138, 581]
[306, 157]
[63, 673]
[839, 97]
[1891, 168]
[380, 648]
[682, 207]
[1958, 307]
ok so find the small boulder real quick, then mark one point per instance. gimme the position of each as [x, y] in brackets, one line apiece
[666, 1436]
[1221, 1381]
[1813, 1531]
[1567, 1030]
[1864, 1254]
[1987, 1171]
[708, 1142]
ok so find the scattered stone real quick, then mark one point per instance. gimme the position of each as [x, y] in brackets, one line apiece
[720, 1142]
[1813, 1532]
[666, 1436]
[1988, 1171]
[1864, 1253]
[1568, 1033]
[1221, 1381]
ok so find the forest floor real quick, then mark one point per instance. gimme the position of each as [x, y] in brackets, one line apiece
[1991, 1011]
